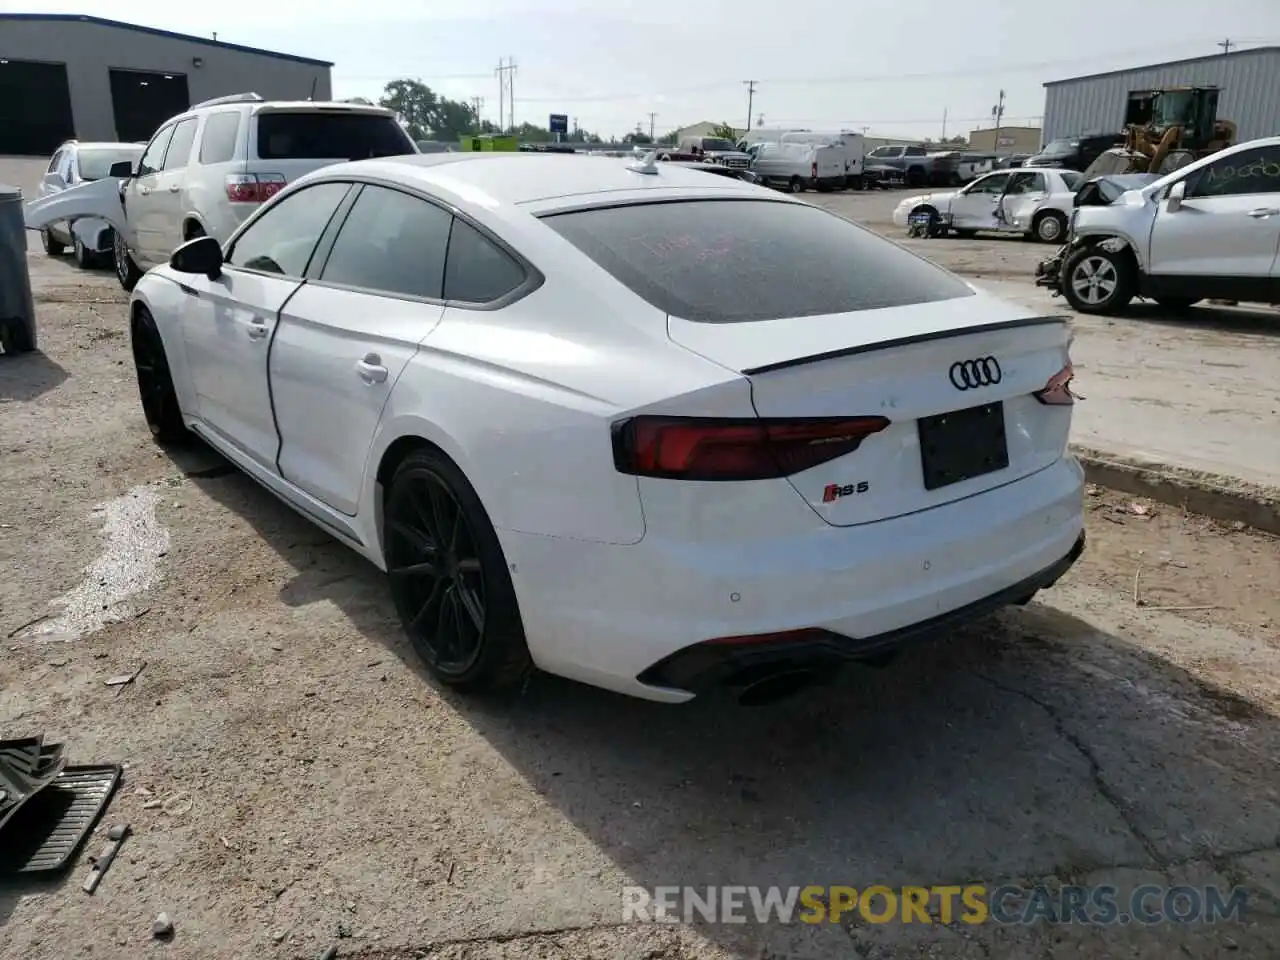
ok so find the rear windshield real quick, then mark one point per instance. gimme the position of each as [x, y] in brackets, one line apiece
[95, 162]
[1073, 180]
[732, 261]
[340, 135]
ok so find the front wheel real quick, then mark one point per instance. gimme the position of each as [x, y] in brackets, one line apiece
[52, 246]
[449, 578]
[84, 258]
[1099, 281]
[127, 271]
[155, 382]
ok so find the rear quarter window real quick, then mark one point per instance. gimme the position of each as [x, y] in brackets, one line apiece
[734, 261]
[218, 142]
[335, 135]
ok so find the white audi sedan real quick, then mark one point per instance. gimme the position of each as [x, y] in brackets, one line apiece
[622, 421]
[1031, 202]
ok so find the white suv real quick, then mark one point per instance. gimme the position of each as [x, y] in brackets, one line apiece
[206, 170]
[1209, 230]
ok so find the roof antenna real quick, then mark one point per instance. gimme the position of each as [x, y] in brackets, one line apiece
[647, 165]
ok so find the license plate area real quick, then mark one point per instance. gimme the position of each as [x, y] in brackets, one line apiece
[962, 444]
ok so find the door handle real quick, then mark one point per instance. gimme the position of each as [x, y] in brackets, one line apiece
[1261, 213]
[257, 328]
[371, 369]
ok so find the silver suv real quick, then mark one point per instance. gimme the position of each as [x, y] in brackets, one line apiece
[206, 170]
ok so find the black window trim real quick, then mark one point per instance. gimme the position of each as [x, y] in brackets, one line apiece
[229, 248]
[191, 148]
[533, 277]
[171, 126]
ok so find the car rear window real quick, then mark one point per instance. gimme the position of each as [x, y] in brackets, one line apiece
[337, 135]
[95, 162]
[733, 261]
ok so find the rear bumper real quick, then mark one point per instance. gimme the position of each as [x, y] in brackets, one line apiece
[611, 615]
[707, 665]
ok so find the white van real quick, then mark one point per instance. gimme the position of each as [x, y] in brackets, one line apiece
[798, 166]
[851, 145]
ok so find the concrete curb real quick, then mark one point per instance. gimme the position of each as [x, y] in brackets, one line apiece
[1212, 495]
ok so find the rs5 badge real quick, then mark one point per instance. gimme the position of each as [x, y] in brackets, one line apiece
[834, 491]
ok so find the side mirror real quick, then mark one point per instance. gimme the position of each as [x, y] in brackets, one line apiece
[201, 255]
[121, 168]
[1177, 193]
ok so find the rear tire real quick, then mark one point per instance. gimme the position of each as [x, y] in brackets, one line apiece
[796, 185]
[54, 248]
[1049, 227]
[449, 579]
[1098, 281]
[127, 271]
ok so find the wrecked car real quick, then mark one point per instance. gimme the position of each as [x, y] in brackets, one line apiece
[1209, 230]
[1035, 203]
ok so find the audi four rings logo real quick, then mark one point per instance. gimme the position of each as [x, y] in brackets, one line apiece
[971, 374]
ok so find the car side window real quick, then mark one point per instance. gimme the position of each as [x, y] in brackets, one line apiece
[992, 184]
[1027, 183]
[477, 270]
[218, 144]
[391, 242]
[153, 157]
[1247, 172]
[915, 151]
[283, 238]
[67, 166]
[179, 152]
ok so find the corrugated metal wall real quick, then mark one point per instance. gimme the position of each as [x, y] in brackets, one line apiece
[1250, 83]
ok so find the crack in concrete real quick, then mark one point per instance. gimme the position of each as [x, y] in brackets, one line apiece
[426, 949]
[1100, 784]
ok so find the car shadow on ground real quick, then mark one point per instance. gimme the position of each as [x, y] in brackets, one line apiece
[1212, 318]
[1028, 745]
[26, 376]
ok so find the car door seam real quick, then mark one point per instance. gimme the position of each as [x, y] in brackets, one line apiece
[271, 393]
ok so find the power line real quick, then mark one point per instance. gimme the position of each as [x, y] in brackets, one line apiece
[1226, 45]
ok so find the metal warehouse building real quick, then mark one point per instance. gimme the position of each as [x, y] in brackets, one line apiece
[1249, 81]
[64, 76]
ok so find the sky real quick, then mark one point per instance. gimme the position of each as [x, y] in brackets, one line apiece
[897, 69]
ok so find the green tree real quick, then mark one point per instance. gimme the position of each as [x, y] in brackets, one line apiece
[638, 137]
[413, 102]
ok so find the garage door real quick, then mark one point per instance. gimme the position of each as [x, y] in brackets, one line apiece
[35, 107]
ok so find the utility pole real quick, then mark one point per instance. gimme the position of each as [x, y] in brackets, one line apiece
[1226, 45]
[652, 118]
[506, 93]
[476, 104]
[944, 124]
[751, 96]
[997, 113]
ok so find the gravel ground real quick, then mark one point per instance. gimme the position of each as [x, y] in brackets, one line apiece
[317, 788]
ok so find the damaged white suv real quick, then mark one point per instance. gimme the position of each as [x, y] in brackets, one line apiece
[1209, 230]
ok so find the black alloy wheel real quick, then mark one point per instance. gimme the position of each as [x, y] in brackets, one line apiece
[155, 383]
[449, 580]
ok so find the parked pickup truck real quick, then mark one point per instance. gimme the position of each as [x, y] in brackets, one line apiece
[713, 150]
[914, 162]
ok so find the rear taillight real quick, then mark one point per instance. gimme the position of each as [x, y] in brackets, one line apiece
[254, 187]
[813, 171]
[689, 448]
[1057, 392]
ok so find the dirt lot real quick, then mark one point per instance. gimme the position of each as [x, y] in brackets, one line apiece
[316, 788]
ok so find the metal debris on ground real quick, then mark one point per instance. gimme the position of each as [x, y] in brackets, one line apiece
[124, 679]
[115, 837]
[48, 808]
